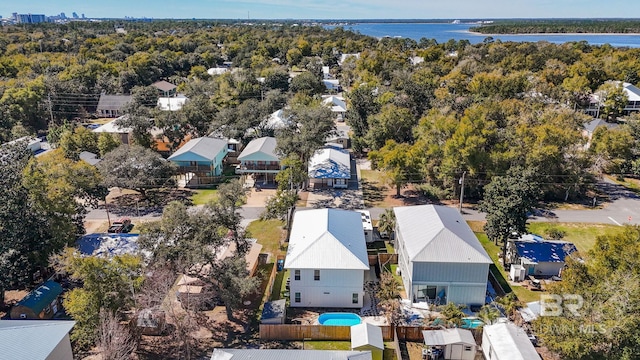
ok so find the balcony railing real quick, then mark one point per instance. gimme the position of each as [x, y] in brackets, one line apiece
[259, 167]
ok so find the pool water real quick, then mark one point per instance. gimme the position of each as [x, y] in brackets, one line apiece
[339, 319]
[468, 323]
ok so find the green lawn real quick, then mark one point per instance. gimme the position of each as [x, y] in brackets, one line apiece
[278, 290]
[269, 234]
[583, 236]
[202, 197]
[374, 176]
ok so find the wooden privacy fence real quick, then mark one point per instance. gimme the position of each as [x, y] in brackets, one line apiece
[336, 333]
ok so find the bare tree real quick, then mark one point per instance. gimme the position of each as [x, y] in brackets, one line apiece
[115, 340]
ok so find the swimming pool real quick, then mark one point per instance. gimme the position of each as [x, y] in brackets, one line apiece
[339, 319]
[471, 323]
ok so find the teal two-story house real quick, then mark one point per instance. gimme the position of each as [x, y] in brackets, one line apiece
[202, 156]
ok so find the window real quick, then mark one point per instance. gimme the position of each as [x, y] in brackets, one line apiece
[316, 275]
[297, 297]
[354, 299]
[296, 275]
[467, 348]
[193, 163]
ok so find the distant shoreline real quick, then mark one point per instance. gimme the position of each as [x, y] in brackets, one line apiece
[549, 33]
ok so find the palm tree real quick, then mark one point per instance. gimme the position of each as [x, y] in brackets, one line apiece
[509, 303]
[488, 314]
[387, 222]
[453, 314]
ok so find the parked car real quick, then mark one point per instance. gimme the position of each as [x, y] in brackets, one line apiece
[123, 225]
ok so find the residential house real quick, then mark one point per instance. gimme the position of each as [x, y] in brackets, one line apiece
[151, 321]
[112, 105]
[340, 139]
[41, 303]
[173, 103]
[454, 344]
[35, 339]
[327, 259]
[633, 100]
[337, 105]
[332, 85]
[202, 156]
[260, 160]
[276, 121]
[591, 126]
[165, 88]
[121, 133]
[274, 312]
[439, 257]
[330, 167]
[539, 257]
[110, 245]
[288, 354]
[367, 337]
[217, 71]
[506, 341]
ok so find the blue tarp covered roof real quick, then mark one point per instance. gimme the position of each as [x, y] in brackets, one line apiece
[42, 296]
[545, 251]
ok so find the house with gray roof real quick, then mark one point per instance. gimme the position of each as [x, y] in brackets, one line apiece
[35, 339]
[288, 354]
[165, 88]
[327, 259]
[260, 160]
[439, 258]
[330, 167]
[112, 105]
[202, 156]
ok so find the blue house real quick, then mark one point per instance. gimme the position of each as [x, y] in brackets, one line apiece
[41, 303]
[202, 156]
[540, 257]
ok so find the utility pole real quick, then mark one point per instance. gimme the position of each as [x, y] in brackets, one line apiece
[461, 182]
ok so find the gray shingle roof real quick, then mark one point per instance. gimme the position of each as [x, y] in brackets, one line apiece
[205, 147]
[434, 233]
[264, 145]
[31, 339]
[113, 102]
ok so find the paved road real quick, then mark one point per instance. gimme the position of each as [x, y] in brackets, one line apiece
[622, 207]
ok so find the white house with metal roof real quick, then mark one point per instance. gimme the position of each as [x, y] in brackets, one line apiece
[288, 354]
[121, 133]
[35, 339]
[259, 158]
[596, 101]
[173, 103]
[330, 167]
[452, 344]
[327, 259]
[337, 105]
[506, 341]
[439, 257]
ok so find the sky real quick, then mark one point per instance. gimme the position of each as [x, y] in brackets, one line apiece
[328, 9]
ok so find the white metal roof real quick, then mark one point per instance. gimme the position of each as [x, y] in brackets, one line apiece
[510, 342]
[448, 337]
[31, 339]
[327, 239]
[366, 334]
[434, 233]
[336, 102]
[633, 93]
[112, 128]
[366, 219]
[276, 121]
[264, 145]
[172, 103]
[288, 354]
[330, 163]
[204, 147]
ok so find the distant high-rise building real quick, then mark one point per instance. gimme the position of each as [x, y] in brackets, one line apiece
[82, 16]
[31, 18]
[75, 15]
[14, 16]
[63, 16]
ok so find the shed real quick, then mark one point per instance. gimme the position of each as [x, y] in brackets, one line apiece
[506, 341]
[367, 337]
[274, 312]
[151, 321]
[455, 344]
[41, 303]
